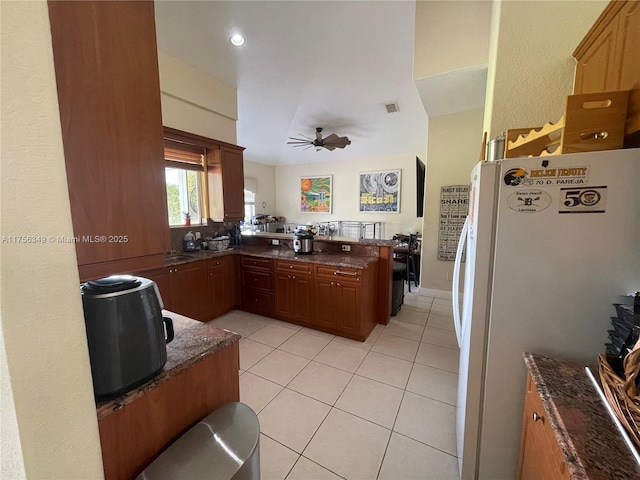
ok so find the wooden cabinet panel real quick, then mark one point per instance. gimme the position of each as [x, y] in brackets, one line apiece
[137, 433]
[106, 66]
[294, 297]
[325, 317]
[226, 184]
[540, 455]
[222, 296]
[595, 72]
[257, 285]
[189, 290]
[608, 59]
[348, 300]
[184, 289]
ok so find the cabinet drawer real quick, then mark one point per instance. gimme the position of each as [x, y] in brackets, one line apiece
[257, 280]
[297, 267]
[257, 301]
[345, 274]
[218, 263]
[252, 262]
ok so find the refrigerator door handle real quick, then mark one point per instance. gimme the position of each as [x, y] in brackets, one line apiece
[455, 291]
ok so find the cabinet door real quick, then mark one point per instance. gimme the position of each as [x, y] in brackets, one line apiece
[303, 299]
[325, 308]
[284, 295]
[596, 71]
[221, 272]
[348, 310]
[189, 290]
[106, 65]
[161, 279]
[232, 183]
[540, 455]
[226, 184]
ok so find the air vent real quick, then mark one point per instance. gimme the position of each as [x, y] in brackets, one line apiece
[392, 107]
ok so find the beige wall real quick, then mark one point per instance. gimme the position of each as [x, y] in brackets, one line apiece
[264, 178]
[53, 432]
[346, 192]
[450, 35]
[530, 65]
[453, 150]
[195, 102]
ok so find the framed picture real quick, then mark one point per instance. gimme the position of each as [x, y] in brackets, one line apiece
[315, 194]
[380, 191]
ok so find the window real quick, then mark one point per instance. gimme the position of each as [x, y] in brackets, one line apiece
[184, 193]
[249, 206]
[184, 172]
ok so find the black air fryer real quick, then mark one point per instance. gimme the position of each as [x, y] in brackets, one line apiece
[125, 332]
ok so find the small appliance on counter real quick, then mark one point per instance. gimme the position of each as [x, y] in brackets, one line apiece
[303, 242]
[125, 332]
[189, 242]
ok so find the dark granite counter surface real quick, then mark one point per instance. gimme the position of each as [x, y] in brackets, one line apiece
[323, 238]
[333, 259]
[590, 442]
[276, 253]
[193, 342]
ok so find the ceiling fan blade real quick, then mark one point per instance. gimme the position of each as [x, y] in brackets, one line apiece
[330, 147]
[301, 139]
[299, 143]
[331, 138]
[339, 142]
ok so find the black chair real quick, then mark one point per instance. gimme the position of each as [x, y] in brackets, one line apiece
[406, 255]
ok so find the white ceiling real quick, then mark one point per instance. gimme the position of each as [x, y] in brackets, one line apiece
[307, 64]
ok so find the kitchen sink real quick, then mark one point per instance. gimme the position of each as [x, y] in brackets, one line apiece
[177, 258]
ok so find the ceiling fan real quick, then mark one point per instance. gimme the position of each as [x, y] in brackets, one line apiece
[330, 143]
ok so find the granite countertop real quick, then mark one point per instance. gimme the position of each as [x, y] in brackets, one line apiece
[590, 442]
[193, 342]
[280, 253]
[333, 259]
[323, 238]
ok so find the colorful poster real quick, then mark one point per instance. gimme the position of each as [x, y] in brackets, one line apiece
[380, 191]
[315, 194]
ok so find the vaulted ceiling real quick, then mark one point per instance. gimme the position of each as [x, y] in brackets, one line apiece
[307, 64]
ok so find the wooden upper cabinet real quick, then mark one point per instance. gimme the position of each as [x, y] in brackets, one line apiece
[595, 71]
[226, 184]
[608, 58]
[106, 65]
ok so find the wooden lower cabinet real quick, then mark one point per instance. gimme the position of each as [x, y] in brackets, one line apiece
[184, 289]
[540, 455]
[345, 300]
[294, 300]
[222, 291]
[135, 434]
[257, 285]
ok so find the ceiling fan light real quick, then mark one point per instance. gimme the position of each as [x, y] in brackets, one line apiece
[237, 40]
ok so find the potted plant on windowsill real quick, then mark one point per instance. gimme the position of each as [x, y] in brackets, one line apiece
[187, 218]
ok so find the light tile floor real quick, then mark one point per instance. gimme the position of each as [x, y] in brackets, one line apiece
[332, 408]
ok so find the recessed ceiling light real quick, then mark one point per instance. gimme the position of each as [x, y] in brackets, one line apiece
[237, 40]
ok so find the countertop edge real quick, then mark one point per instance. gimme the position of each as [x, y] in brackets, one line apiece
[222, 339]
[569, 452]
[591, 444]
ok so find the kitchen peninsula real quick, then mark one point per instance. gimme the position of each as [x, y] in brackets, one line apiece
[201, 374]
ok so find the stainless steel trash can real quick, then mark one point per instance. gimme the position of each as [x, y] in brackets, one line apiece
[223, 446]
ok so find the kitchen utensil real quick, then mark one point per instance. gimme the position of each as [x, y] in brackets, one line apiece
[189, 242]
[303, 242]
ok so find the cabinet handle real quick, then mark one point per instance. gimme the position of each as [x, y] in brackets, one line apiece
[338, 284]
[536, 417]
[290, 266]
[332, 283]
[294, 277]
[340, 272]
[288, 276]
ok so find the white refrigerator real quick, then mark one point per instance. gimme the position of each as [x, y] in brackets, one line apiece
[552, 242]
